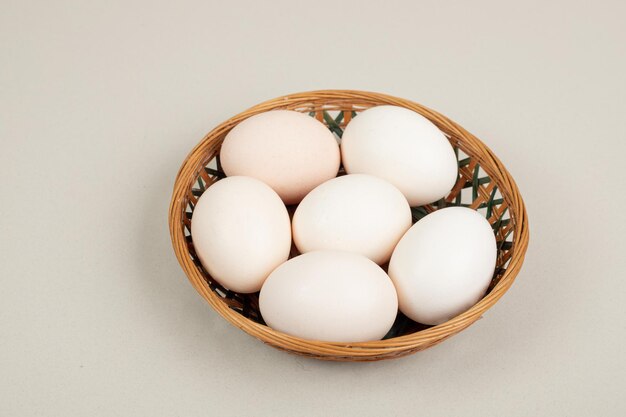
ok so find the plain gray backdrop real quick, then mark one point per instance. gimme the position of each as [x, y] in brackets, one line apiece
[100, 101]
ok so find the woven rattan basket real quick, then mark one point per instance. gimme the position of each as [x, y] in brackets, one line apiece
[483, 184]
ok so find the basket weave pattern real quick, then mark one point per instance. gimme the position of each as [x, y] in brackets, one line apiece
[483, 184]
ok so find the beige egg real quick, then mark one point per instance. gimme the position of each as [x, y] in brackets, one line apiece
[241, 231]
[333, 296]
[290, 151]
[357, 213]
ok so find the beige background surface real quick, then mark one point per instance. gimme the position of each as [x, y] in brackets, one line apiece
[101, 101]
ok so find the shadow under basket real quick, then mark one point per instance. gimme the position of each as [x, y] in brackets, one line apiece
[483, 185]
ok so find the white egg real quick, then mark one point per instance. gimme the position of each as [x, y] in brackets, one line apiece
[241, 231]
[290, 151]
[331, 296]
[443, 265]
[402, 147]
[356, 213]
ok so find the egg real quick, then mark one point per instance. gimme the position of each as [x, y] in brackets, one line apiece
[241, 231]
[402, 147]
[356, 213]
[443, 265]
[290, 151]
[332, 296]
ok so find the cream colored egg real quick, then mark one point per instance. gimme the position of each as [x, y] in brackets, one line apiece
[443, 264]
[241, 231]
[356, 213]
[290, 151]
[402, 147]
[331, 296]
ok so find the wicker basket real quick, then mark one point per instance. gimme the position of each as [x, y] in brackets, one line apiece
[484, 184]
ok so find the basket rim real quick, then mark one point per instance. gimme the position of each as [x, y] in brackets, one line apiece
[373, 350]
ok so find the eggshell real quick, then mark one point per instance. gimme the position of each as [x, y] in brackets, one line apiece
[443, 265]
[356, 213]
[331, 296]
[241, 232]
[402, 147]
[290, 151]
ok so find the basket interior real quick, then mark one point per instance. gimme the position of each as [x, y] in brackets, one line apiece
[474, 189]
